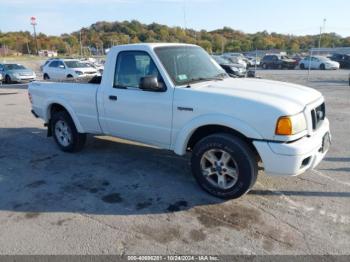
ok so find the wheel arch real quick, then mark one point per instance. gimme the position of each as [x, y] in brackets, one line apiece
[57, 106]
[200, 128]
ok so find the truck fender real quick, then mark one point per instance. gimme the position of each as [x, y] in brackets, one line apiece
[183, 136]
[69, 109]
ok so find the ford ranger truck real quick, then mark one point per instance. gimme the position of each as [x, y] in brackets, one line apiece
[176, 97]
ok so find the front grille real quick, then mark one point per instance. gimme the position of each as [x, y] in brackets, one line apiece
[318, 115]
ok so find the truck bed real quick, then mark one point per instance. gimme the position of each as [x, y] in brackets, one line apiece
[81, 96]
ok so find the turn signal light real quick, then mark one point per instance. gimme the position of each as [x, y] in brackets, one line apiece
[284, 126]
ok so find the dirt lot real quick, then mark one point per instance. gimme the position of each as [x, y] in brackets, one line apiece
[119, 198]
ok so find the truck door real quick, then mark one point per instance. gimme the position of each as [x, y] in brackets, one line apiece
[132, 113]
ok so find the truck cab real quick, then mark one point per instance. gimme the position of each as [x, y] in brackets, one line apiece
[176, 97]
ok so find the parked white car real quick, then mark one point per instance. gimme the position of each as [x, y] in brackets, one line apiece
[318, 62]
[63, 69]
[176, 97]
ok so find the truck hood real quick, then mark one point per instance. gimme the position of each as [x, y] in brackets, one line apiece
[288, 98]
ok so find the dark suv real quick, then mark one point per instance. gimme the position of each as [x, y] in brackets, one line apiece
[278, 62]
[343, 60]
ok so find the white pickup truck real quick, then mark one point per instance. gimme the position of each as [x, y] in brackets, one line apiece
[176, 97]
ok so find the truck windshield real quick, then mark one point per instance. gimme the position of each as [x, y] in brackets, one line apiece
[189, 64]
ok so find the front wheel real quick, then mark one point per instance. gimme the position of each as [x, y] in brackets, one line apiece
[322, 67]
[224, 166]
[65, 133]
[8, 79]
[46, 77]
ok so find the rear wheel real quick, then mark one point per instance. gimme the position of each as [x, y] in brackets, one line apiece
[65, 133]
[224, 166]
[46, 77]
[264, 66]
[302, 66]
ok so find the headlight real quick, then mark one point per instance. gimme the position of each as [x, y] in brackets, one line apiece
[15, 74]
[290, 125]
[78, 72]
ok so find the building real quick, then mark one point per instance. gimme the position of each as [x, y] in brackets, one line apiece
[48, 53]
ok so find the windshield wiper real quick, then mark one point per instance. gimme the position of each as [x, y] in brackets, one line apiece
[201, 79]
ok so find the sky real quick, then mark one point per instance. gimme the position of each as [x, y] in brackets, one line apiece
[296, 17]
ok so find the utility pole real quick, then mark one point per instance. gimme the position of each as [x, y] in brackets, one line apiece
[34, 23]
[81, 45]
[322, 30]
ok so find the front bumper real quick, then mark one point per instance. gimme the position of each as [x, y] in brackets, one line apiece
[292, 159]
[23, 79]
[332, 67]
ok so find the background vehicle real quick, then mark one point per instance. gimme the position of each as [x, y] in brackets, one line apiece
[252, 61]
[95, 65]
[277, 62]
[318, 62]
[176, 97]
[16, 73]
[63, 69]
[343, 60]
[1, 78]
[236, 59]
[234, 70]
[45, 63]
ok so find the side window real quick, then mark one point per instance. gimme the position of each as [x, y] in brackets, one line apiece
[60, 64]
[53, 64]
[131, 67]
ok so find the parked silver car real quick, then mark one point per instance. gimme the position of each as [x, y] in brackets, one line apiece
[16, 73]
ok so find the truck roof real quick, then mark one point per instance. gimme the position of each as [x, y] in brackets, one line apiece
[152, 45]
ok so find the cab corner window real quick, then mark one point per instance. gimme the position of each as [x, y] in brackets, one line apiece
[131, 67]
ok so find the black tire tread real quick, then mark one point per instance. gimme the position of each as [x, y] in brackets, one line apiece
[79, 139]
[237, 144]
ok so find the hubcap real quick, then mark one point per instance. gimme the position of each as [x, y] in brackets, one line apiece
[63, 133]
[219, 168]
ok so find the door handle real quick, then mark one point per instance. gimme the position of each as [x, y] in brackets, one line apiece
[113, 98]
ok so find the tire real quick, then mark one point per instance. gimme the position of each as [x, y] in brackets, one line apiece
[264, 66]
[302, 66]
[7, 79]
[69, 76]
[46, 77]
[322, 67]
[237, 176]
[65, 133]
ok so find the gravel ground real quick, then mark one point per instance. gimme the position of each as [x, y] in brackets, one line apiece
[116, 197]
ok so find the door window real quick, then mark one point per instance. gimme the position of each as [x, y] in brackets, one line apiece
[131, 67]
[61, 65]
[54, 64]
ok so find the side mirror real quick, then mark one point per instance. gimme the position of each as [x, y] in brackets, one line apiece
[62, 66]
[150, 83]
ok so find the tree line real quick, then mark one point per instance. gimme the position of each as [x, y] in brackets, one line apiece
[103, 35]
